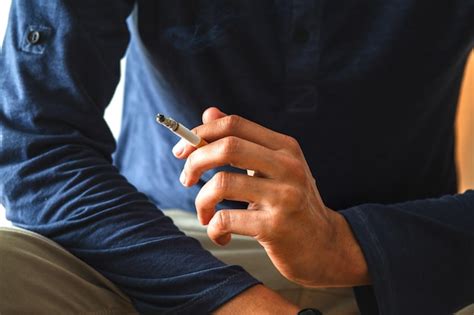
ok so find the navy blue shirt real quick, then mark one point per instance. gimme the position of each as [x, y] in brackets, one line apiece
[368, 88]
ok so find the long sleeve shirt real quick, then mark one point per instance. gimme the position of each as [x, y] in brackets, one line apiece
[59, 68]
[368, 88]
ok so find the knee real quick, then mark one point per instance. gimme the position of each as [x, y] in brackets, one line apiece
[10, 261]
[12, 244]
[8, 242]
[18, 251]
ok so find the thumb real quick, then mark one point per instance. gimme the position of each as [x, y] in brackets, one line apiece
[212, 113]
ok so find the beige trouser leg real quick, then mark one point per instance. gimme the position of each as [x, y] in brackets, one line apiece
[37, 276]
[246, 252]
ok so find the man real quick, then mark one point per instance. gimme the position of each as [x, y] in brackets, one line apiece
[367, 89]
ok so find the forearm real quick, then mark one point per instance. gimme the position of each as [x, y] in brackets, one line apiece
[55, 166]
[258, 300]
[348, 266]
[417, 250]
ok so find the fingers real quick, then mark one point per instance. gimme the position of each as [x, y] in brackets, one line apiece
[241, 128]
[243, 222]
[230, 186]
[230, 151]
[182, 148]
[237, 126]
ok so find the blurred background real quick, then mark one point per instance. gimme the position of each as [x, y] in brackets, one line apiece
[464, 124]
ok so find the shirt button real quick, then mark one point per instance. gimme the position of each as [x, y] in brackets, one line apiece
[34, 37]
[300, 35]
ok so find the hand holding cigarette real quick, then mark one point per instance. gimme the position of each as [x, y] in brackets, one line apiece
[308, 243]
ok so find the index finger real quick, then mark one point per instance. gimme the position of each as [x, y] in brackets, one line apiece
[210, 114]
[240, 127]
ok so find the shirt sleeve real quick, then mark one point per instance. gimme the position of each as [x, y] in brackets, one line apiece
[420, 254]
[59, 67]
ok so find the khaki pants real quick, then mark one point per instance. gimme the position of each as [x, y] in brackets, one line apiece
[37, 276]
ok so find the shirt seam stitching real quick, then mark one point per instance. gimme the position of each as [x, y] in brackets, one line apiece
[381, 253]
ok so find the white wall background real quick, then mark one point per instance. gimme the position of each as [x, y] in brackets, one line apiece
[113, 114]
[4, 8]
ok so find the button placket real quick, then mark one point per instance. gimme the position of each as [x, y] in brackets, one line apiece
[300, 35]
[302, 55]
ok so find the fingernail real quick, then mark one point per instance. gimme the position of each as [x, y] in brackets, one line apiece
[182, 178]
[178, 148]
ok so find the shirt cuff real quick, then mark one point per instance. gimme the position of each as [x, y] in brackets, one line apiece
[376, 258]
[218, 295]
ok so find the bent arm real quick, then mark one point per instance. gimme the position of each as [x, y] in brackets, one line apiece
[56, 174]
[420, 253]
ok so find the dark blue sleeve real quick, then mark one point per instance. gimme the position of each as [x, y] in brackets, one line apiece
[420, 254]
[56, 175]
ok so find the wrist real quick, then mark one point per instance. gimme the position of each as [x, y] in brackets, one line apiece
[258, 300]
[350, 265]
[336, 259]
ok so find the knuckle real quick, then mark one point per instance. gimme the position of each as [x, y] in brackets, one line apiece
[292, 141]
[223, 221]
[294, 166]
[292, 144]
[229, 145]
[299, 171]
[221, 181]
[231, 122]
[289, 194]
[190, 162]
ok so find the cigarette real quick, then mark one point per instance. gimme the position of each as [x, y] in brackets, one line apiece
[186, 134]
[181, 131]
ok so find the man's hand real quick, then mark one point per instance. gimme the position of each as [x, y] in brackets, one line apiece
[307, 242]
